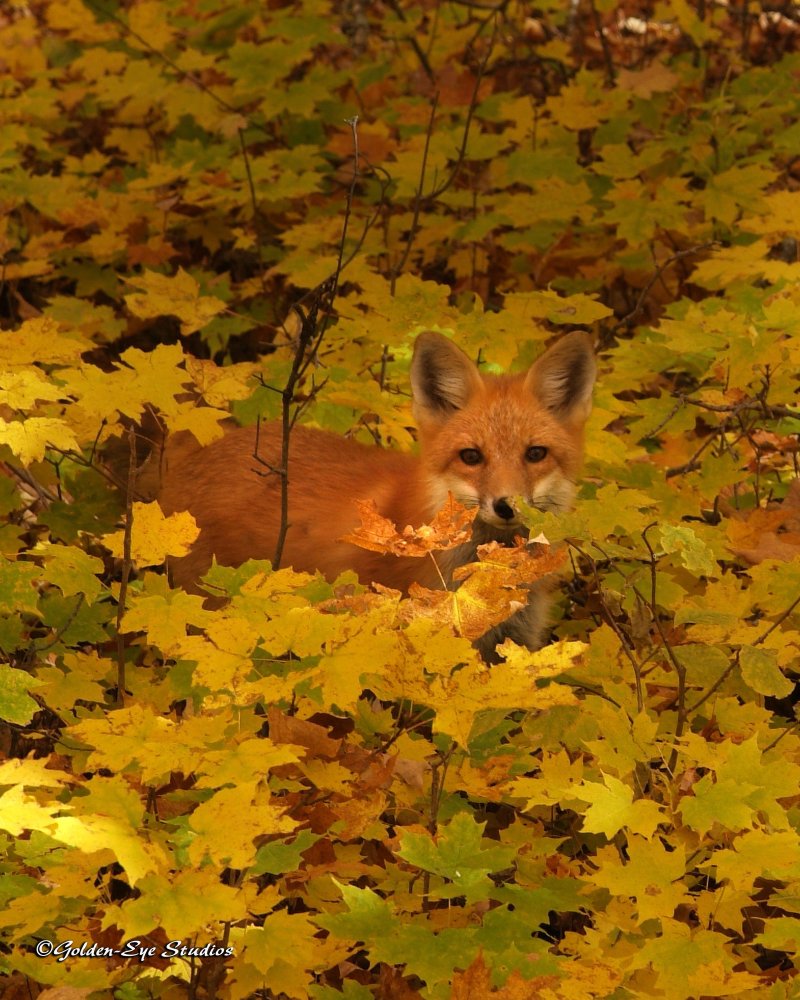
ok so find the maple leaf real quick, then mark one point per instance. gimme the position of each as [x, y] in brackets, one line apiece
[176, 296]
[154, 536]
[767, 533]
[458, 699]
[72, 570]
[450, 527]
[18, 707]
[22, 389]
[458, 854]
[612, 808]
[29, 439]
[184, 903]
[226, 843]
[651, 875]
[43, 340]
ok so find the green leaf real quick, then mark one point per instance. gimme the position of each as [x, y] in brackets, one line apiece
[17, 586]
[761, 672]
[16, 706]
[695, 554]
[458, 855]
[725, 802]
[72, 570]
[368, 917]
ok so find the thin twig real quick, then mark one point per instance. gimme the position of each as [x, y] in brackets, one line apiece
[716, 685]
[780, 620]
[70, 619]
[437, 787]
[779, 737]
[396, 271]
[45, 496]
[623, 639]
[607, 57]
[678, 255]
[334, 284]
[254, 202]
[693, 462]
[308, 343]
[473, 104]
[126, 567]
[679, 668]
[420, 54]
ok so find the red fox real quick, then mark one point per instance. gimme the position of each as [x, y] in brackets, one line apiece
[484, 438]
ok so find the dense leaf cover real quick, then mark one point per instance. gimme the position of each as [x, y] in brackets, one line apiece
[325, 780]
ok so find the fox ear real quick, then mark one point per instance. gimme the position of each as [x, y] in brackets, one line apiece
[443, 378]
[563, 378]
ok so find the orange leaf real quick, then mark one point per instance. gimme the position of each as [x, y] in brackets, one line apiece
[450, 527]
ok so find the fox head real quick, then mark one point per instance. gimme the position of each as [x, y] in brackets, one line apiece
[490, 438]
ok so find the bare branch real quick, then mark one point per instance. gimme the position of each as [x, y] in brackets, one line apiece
[309, 339]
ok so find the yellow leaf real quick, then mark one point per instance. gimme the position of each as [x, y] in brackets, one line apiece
[227, 825]
[557, 783]
[78, 22]
[193, 902]
[152, 377]
[299, 630]
[699, 30]
[651, 875]
[612, 808]
[227, 674]
[149, 20]
[370, 648]
[20, 812]
[714, 980]
[245, 756]
[736, 263]
[99, 833]
[282, 951]
[32, 773]
[164, 617]
[218, 386]
[494, 587]
[21, 389]
[581, 104]
[233, 634]
[177, 296]
[154, 536]
[563, 309]
[30, 438]
[656, 78]
[204, 422]
[39, 340]
[509, 685]
[766, 854]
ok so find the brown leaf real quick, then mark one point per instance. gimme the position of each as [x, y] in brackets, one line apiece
[287, 729]
[394, 987]
[771, 533]
[474, 982]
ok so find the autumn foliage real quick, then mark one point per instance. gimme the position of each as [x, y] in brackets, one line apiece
[320, 787]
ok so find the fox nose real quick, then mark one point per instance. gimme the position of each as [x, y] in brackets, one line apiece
[503, 509]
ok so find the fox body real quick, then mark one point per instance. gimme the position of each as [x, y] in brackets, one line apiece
[486, 439]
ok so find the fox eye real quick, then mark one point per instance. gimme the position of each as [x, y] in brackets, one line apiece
[536, 453]
[470, 456]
